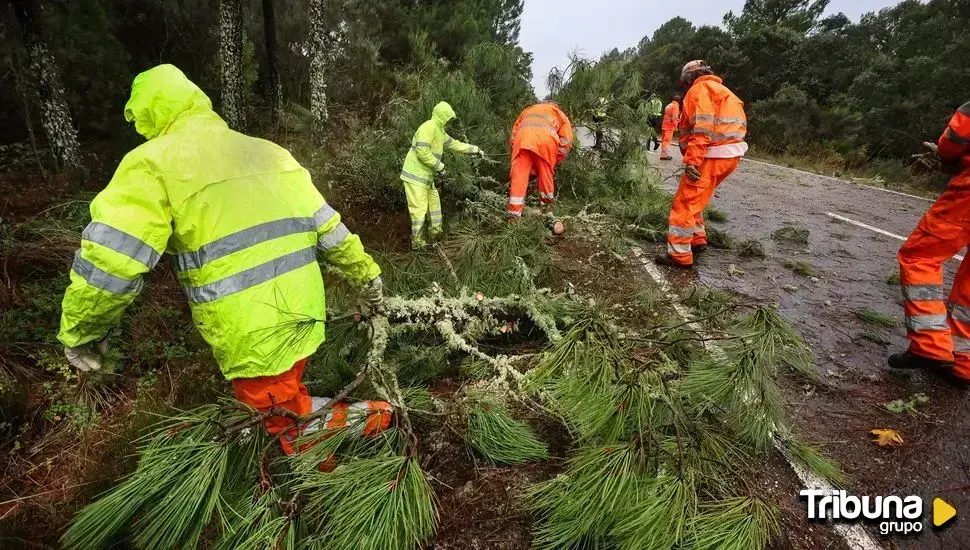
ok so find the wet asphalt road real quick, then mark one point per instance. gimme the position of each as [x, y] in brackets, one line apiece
[851, 265]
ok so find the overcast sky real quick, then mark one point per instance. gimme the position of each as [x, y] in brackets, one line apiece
[551, 29]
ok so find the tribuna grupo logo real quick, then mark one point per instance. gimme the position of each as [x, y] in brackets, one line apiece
[895, 515]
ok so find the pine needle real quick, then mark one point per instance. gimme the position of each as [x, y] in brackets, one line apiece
[874, 318]
[380, 503]
[735, 524]
[495, 435]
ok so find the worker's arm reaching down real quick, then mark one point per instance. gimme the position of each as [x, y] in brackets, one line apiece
[130, 226]
[565, 136]
[343, 250]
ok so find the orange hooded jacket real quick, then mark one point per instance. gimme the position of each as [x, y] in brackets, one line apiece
[713, 123]
[545, 130]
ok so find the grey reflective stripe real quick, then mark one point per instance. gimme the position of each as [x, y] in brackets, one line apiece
[437, 156]
[438, 165]
[961, 344]
[926, 322]
[678, 231]
[417, 144]
[923, 293]
[333, 238]
[552, 131]
[435, 213]
[696, 118]
[473, 149]
[449, 141]
[515, 214]
[547, 195]
[699, 230]
[730, 135]
[323, 215]
[99, 278]
[516, 200]
[409, 175]
[956, 138]
[122, 242]
[240, 240]
[251, 277]
[959, 313]
[702, 131]
[548, 118]
[731, 120]
[563, 141]
[676, 248]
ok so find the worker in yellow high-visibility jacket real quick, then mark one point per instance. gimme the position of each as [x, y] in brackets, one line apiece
[244, 223]
[422, 166]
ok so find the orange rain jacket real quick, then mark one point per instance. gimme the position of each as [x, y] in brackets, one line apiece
[671, 116]
[545, 130]
[712, 124]
[954, 144]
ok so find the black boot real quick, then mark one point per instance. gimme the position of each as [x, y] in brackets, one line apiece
[698, 248]
[908, 360]
[666, 260]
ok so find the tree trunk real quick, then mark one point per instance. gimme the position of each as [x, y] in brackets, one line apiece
[318, 69]
[231, 54]
[46, 86]
[275, 90]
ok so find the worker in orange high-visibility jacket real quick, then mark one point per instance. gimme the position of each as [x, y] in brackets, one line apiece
[939, 329]
[712, 130]
[670, 123]
[541, 138]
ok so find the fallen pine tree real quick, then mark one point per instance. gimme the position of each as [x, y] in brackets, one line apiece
[663, 447]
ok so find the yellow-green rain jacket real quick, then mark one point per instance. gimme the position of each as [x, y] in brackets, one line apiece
[424, 159]
[240, 216]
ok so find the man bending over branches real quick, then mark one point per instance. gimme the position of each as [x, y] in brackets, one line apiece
[243, 221]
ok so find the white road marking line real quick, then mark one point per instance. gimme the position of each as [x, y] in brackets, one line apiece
[855, 536]
[840, 180]
[877, 230]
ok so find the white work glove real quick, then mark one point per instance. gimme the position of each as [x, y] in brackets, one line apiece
[929, 160]
[481, 153]
[371, 296]
[87, 357]
[692, 172]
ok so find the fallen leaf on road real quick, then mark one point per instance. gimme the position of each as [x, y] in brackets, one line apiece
[887, 437]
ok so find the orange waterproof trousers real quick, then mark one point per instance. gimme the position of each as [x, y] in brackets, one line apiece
[666, 138]
[686, 221]
[939, 329]
[525, 163]
[286, 390]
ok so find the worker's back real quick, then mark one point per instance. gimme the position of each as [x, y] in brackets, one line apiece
[543, 129]
[239, 213]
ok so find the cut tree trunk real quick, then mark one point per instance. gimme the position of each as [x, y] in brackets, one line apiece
[272, 66]
[231, 54]
[318, 68]
[46, 86]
